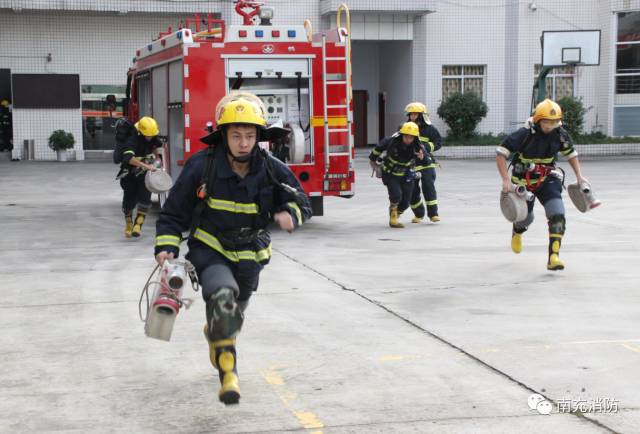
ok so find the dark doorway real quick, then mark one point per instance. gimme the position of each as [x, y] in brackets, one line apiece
[382, 99]
[5, 84]
[360, 100]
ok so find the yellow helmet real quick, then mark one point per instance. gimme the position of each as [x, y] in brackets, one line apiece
[416, 107]
[547, 109]
[240, 111]
[147, 126]
[4, 103]
[410, 129]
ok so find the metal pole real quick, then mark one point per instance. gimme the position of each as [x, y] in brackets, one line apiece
[324, 100]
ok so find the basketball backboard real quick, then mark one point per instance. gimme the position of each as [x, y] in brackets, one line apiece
[570, 47]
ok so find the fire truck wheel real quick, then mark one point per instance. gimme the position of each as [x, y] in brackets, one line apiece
[317, 204]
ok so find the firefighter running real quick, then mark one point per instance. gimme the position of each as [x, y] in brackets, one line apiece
[226, 195]
[532, 153]
[432, 141]
[401, 151]
[138, 157]
[6, 126]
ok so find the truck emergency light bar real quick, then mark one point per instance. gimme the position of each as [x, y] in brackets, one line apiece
[266, 34]
[182, 36]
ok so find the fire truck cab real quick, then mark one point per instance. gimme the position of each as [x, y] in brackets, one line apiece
[303, 78]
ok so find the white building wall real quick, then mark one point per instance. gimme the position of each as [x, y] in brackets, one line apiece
[38, 124]
[477, 32]
[99, 47]
[464, 35]
[96, 42]
[566, 15]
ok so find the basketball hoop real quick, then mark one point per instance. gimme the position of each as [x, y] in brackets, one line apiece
[565, 48]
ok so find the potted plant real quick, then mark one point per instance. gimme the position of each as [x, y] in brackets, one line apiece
[61, 141]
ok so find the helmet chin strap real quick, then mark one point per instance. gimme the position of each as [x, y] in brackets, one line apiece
[243, 159]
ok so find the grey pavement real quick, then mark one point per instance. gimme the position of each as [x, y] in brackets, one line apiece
[356, 327]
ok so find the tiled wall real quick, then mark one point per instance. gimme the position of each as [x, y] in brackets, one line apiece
[97, 40]
[98, 47]
[38, 124]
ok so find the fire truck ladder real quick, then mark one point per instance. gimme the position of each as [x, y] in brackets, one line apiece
[329, 83]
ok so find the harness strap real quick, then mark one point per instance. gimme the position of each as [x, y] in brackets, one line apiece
[542, 171]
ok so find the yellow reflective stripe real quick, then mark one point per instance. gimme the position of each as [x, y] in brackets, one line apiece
[429, 166]
[432, 202]
[555, 235]
[232, 255]
[566, 152]
[533, 181]
[503, 151]
[416, 205]
[128, 152]
[168, 240]
[397, 163]
[227, 205]
[537, 160]
[294, 206]
[376, 152]
[427, 141]
[333, 121]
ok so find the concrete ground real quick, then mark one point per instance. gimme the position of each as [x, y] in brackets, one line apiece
[356, 327]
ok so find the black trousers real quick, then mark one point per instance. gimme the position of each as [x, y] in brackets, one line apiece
[215, 272]
[399, 189]
[135, 193]
[428, 180]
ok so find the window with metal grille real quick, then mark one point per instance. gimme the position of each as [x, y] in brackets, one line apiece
[628, 53]
[463, 78]
[560, 82]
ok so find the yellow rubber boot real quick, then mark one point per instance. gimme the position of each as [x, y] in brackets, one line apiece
[137, 227]
[554, 263]
[416, 219]
[393, 217]
[225, 352]
[128, 226]
[435, 218]
[212, 348]
[516, 242]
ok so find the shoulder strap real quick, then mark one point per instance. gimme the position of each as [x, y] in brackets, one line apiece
[526, 142]
[298, 196]
[206, 185]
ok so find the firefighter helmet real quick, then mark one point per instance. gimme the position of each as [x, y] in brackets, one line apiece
[240, 111]
[147, 126]
[416, 107]
[410, 129]
[4, 103]
[547, 109]
[243, 108]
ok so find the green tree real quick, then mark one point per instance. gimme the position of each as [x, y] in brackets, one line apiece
[573, 112]
[462, 112]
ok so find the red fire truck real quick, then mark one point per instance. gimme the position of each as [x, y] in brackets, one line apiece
[303, 78]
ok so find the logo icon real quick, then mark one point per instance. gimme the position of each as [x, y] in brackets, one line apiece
[268, 49]
[539, 403]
